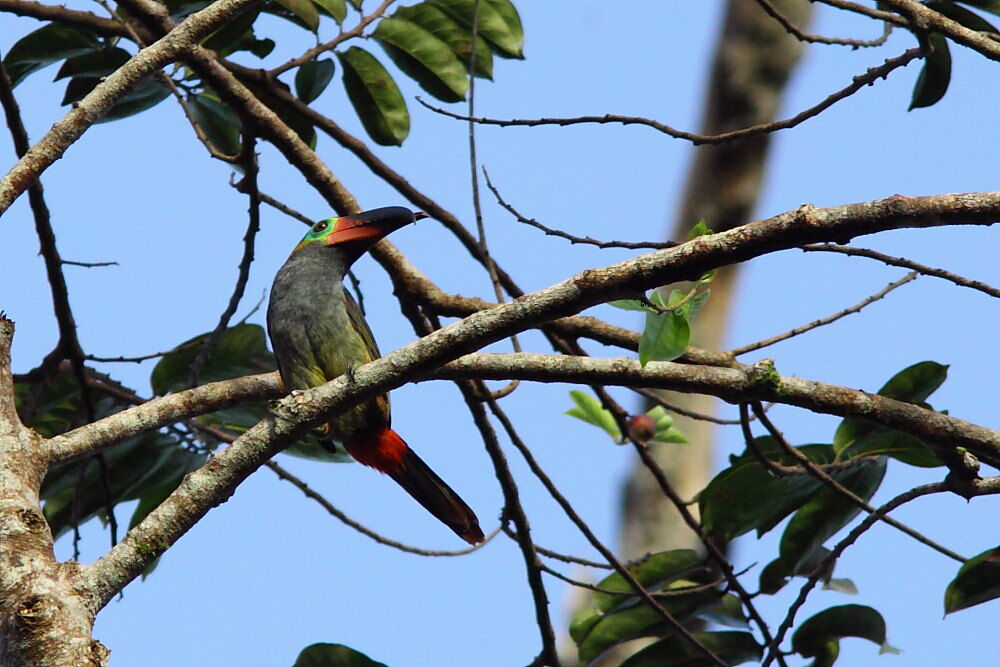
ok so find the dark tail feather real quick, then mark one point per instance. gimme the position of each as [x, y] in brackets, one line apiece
[387, 452]
[429, 490]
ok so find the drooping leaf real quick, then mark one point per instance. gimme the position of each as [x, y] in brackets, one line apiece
[497, 22]
[333, 655]
[664, 337]
[241, 350]
[47, 45]
[813, 637]
[590, 410]
[426, 59]
[977, 581]
[827, 512]
[961, 15]
[459, 39]
[747, 497]
[375, 97]
[735, 648]
[913, 384]
[221, 126]
[776, 574]
[631, 304]
[336, 9]
[312, 78]
[935, 75]
[93, 63]
[728, 611]
[305, 10]
[895, 444]
[653, 573]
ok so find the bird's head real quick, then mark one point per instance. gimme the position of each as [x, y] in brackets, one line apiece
[354, 234]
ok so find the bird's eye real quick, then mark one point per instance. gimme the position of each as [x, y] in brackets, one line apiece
[320, 226]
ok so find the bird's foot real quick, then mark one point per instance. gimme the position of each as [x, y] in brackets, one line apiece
[350, 373]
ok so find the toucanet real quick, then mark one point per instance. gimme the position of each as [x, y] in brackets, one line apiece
[318, 333]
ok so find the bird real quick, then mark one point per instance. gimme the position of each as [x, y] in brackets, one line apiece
[319, 333]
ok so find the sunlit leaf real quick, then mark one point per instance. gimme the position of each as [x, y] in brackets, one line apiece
[336, 9]
[458, 38]
[425, 58]
[590, 410]
[305, 10]
[497, 22]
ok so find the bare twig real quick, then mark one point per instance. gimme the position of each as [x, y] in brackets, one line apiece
[565, 235]
[796, 32]
[872, 75]
[752, 347]
[922, 269]
[249, 161]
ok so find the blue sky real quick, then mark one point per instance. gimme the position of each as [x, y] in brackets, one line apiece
[269, 572]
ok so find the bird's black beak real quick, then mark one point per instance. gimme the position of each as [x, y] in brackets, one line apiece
[371, 226]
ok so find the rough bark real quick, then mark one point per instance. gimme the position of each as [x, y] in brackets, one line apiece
[754, 57]
[44, 619]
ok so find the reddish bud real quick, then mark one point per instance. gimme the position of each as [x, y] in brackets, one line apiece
[641, 428]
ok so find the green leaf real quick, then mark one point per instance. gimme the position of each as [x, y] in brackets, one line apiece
[977, 581]
[221, 126]
[498, 23]
[47, 45]
[631, 304]
[145, 95]
[426, 59]
[728, 612]
[93, 63]
[895, 444]
[666, 432]
[827, 512]
[961, 15]
[375, 97]
[734, 648]
[654, 572]
[747, 497]
[776, 574]
[590, 410]
[701, 229]
[639, 621]
[841, 585]
[312, 78]
[333, 655]
[913, 384]
[227, 39]
[849, 620]
[241, 350]
[664, 338]
[135, 467]
[458, 39]
[935, 75]
[336, 9]
[305, 10]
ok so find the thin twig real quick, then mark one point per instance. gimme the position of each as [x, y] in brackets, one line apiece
[844, 491]
[333, 43]
[872, 75]
[639, 589]
[283, 474]
[922, 269]
[796, 32]
[655, 398]
[549, 231]
[823, 321]
[89, 265]
[249, 161]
